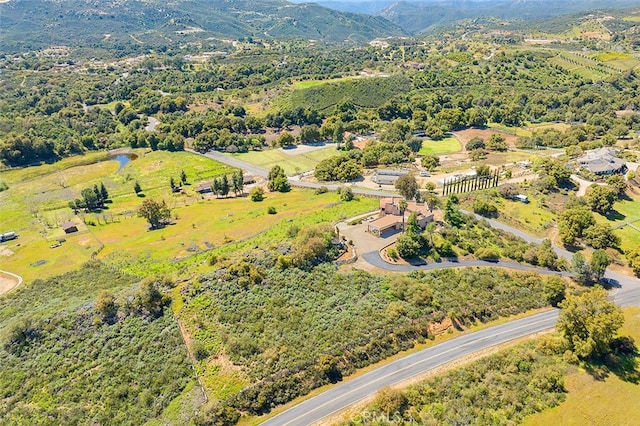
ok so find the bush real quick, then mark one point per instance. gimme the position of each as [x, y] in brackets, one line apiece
[408, 246]
[271, 210]
[487, 253]
[346, 194]
[484, 208]
[390, 401]
[321, 190]
[392, 253]
[199, 351]
[257, 194]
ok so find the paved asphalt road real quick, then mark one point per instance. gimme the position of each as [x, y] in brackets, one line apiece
[234, 162]
[352, 391]
[626, 293]
[259, 171]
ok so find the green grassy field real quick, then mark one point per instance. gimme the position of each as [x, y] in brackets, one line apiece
[500, 158]
[518, 131]
[444, 146]
[37, 214]
[630, 211]
[291, 164]
[212, 223]
[531, 216]
[611, 401]
[120, 236]
[581, 71]
[313, 83]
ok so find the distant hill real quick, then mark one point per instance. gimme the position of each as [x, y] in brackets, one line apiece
[31, 25]
[415, 16]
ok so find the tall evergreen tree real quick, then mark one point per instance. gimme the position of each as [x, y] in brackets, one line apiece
[217, 186]
[237, 182]
[224, 186]
[103, 192]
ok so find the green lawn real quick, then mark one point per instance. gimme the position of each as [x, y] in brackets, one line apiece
[597, 402]
[291, 164]
[629, 237]
[630, 211]
[443, 146]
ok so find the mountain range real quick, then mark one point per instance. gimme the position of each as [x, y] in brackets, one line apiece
[416, 16]
[30, 25]
[125, 26]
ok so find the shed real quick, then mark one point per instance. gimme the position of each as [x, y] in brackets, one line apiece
[522, 198]
[388, 176]
[204, 188]
[69, 227]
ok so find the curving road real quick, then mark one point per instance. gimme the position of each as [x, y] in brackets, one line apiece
[294, 181]
[374, 258]
[350, 392]
[343, 395]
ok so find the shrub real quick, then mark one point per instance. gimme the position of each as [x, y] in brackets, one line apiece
[257, 194]
[487, 253]
[390, 401]
[346, 194]
[321, 190]
[271, 210]
[392, 253]
[199, 351]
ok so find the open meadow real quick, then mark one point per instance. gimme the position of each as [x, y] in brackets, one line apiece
[118, 235]
[612, 401]
[292, 160]
[37, 216]
[439, 147]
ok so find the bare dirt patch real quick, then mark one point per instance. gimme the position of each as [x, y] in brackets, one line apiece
[466, 135]
[5, 251]
[7, 282]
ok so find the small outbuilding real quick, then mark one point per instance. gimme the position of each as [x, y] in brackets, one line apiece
[69, 228]
[204, 188]
[522, 198]
[388, 176]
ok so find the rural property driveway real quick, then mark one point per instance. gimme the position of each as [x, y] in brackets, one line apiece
[349, 392]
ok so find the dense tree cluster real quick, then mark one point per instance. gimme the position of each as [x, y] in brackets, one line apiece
[577, 223]
[341, 168]
[92, 199]
[590, 322]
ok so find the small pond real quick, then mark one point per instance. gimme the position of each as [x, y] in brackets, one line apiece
[122, 159]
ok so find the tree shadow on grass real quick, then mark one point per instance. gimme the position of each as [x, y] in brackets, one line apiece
[614, 215]
[623, 361]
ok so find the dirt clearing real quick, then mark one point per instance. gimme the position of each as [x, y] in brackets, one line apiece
[8, 282]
